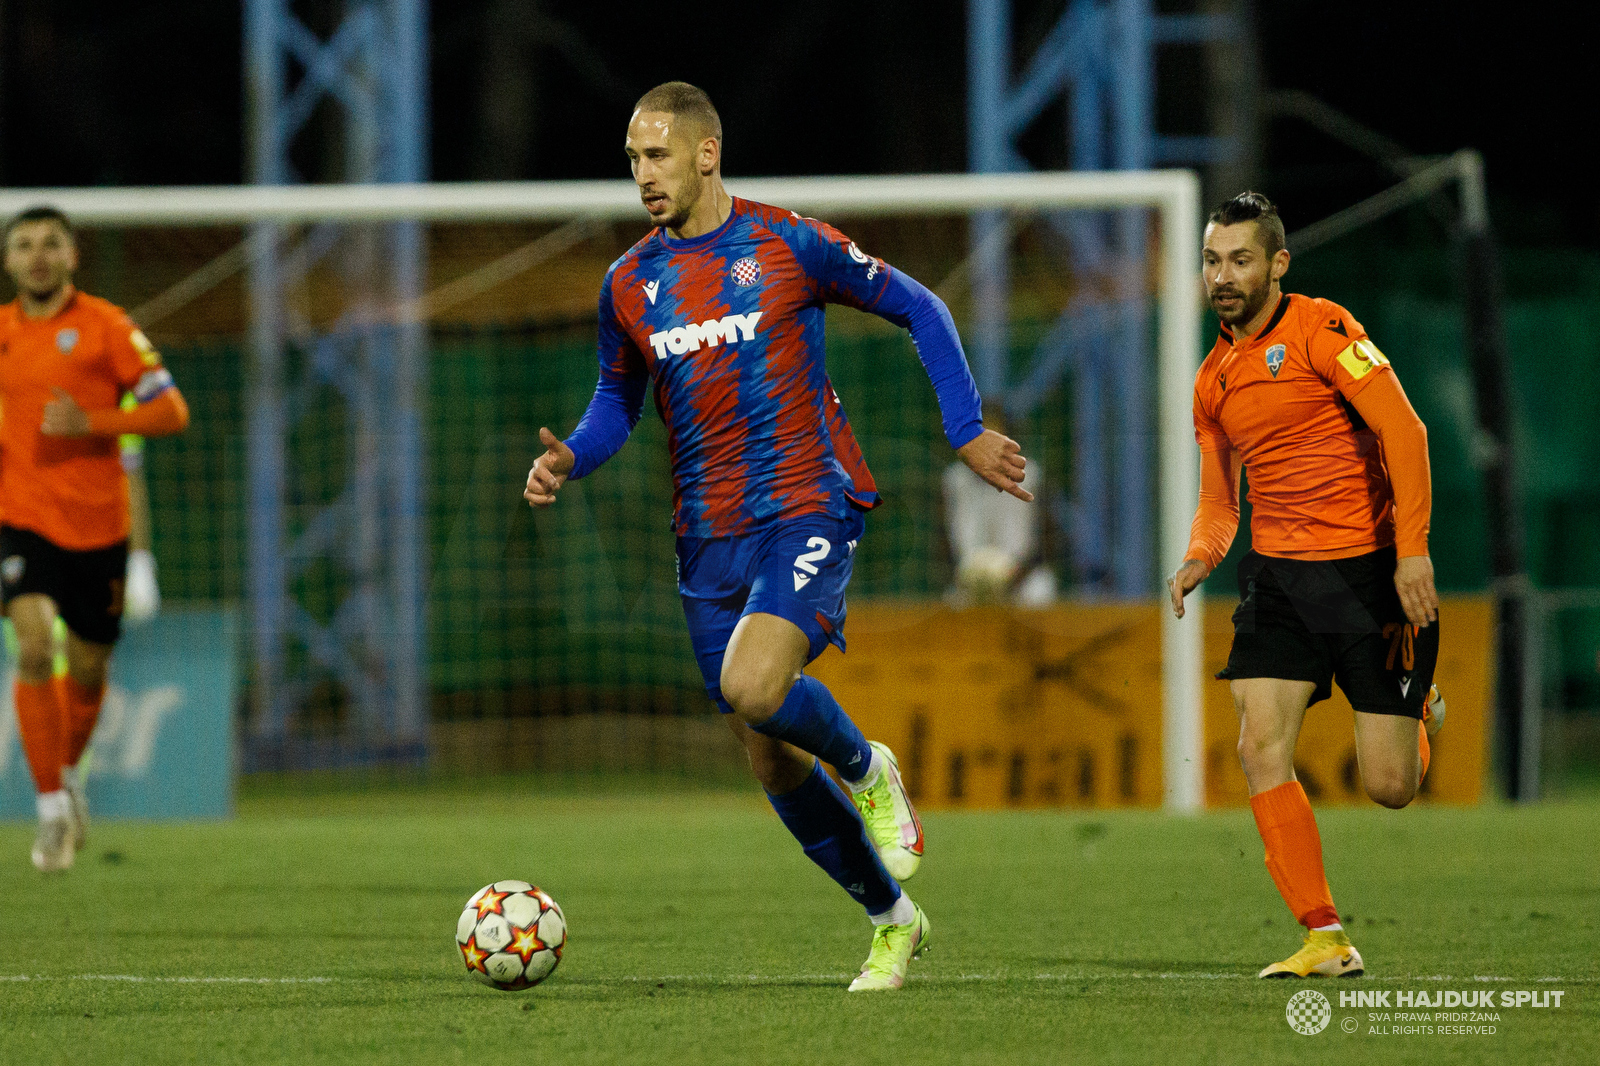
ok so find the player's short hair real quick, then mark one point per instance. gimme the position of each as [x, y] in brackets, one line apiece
[1253, 207]
[685, 102]
[41, 213]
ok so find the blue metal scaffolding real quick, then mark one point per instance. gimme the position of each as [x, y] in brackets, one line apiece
[371, 536]
[1101, 56]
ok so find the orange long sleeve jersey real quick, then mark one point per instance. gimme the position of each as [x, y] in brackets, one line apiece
[1337, 457]
[73, 490]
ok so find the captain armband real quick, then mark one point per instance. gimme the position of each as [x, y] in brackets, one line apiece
[1362, 358]
[152, 383]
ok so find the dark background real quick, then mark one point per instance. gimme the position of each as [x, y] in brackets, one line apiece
[98, 92]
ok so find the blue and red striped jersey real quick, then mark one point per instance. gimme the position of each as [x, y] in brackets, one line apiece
[727, 328]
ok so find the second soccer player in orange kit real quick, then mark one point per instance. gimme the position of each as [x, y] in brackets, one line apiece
[1338, 585]
[66, 359]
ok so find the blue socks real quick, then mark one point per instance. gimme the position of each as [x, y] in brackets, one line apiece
[825, 822]
[812, 720]
[818, 813]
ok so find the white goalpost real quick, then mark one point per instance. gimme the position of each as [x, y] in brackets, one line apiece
[1172, 195]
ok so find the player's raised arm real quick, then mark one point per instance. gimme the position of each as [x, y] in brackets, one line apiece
[843, 273]
[612, 413]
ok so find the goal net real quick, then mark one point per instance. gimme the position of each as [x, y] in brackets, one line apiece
[368, 369]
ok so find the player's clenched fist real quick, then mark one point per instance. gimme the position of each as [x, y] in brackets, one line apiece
[997, 459]
[549, 471]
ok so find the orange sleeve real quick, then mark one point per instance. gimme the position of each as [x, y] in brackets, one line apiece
[162, 416]
[1388, 413]
[1208, 432]
[1216, 520]
[132, 355]
[1344, 357]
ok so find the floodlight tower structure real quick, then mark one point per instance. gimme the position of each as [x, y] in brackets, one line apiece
[370, 642]
[1100, 55]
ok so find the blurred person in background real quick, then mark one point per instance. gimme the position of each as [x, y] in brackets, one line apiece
[66, 361]
[142, 596]
[996, 542]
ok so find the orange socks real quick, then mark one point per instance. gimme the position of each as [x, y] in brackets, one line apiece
[55, 719]
[80, 708]
[41, 722]
[1294, 853]
[1424, 750]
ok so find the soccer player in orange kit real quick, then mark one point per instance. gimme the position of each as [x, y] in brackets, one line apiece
[1338, 584]
[66, 359]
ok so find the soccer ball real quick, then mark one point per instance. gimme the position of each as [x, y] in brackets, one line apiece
[511, 934]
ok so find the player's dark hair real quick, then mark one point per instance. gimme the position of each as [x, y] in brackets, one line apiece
[41, 213]
[685, 102]
[1253, 207]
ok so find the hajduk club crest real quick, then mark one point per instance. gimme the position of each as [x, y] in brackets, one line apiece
[1275, 358]
[746, 271]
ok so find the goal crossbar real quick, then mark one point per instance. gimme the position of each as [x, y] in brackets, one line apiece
[1173, 194]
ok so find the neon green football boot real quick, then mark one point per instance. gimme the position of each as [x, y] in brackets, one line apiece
[892, 822]
[893, 948]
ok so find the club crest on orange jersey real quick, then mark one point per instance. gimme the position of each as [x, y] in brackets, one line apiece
[66, 340]
[1275, 358]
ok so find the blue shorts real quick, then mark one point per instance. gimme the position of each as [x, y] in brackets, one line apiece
[795, 568]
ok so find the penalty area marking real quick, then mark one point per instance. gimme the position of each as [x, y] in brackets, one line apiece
[143, 979]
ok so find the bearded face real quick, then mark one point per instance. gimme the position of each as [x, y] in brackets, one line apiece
[1238, 272]
[662, 155]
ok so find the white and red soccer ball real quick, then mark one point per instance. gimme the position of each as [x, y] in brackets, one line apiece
[511, 934]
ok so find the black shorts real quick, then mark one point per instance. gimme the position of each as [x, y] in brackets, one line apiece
[1338, 620]
[86, 585]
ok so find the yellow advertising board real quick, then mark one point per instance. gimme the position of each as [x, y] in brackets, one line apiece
[994, 707]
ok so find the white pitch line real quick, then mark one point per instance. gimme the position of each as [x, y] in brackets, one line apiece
[1097, 975]
[768, 979]
[142, 979]
[718, 978]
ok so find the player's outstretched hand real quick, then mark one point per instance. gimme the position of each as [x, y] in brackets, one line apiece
[549, 471]
[1185, 581]
[1413, 579]
[997, 459]
[63, 417]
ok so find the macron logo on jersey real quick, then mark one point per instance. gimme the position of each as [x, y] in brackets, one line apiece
[711, 332]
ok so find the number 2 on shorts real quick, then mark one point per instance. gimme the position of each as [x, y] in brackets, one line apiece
[808, 561]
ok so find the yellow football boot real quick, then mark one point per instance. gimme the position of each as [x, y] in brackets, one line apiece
[1326, 953]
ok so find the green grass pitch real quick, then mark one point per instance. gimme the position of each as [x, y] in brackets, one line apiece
[700, 934]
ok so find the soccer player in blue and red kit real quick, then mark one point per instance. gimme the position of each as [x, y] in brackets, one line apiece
[719, 312]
